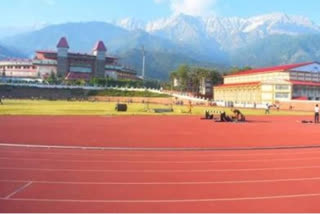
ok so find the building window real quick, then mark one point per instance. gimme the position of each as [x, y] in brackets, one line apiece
[282, 87]
[282, 95]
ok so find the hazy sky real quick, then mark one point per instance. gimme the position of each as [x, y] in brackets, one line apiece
[35, 12]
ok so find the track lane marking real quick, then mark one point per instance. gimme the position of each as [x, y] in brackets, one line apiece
[168, 183]
[215, 154]
[161, 171]
[167, 201]
[160, 149]
[19, 189]
[165, 162]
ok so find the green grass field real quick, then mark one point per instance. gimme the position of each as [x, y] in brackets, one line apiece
[43, 107]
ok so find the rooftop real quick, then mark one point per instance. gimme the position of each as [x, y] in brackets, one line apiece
[270, 69]
[63, 43]
[100, 46]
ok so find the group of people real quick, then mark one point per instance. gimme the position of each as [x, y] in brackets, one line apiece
[237, 116]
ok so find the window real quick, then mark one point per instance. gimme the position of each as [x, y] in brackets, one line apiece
[282, 95]
[282, 87]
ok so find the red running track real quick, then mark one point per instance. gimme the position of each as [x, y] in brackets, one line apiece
[64, 180]
[157, 132]
[78, 180]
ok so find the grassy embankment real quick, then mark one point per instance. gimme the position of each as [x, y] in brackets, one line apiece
[43, 107]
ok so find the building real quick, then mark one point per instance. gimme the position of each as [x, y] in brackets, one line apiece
[206, 87]
[67, 64]
[18, 68]
[270, 85]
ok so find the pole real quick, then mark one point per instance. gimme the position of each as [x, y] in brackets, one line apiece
[143, 62]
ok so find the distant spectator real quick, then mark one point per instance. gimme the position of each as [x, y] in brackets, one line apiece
[316, 114]
[267, 109]
[1, 101]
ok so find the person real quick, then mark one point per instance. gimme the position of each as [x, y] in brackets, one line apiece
[190, 107]
[238, 116]
[208, 115]
[278, 106]
[1, 101]
[224, 117]
[316, 114]
[267, 108]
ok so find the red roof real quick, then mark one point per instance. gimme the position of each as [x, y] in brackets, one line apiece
[270, 69]
[306, 83]
[300, 98]
[63, 43]
[239, 84]
[77, 75]
[100, 46]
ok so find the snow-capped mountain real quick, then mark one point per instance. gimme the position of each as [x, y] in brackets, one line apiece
[228, 32]
[264, 40]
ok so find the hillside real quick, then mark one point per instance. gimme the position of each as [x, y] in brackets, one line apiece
[218, 42]
[279, 49]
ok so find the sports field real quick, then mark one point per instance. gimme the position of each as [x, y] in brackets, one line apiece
[105, 163]
[42, 107]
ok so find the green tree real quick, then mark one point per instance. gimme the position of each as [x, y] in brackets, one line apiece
[52, 79]
[235, 70]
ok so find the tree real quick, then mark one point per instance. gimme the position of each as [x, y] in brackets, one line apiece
[182, 75]
[235, 70]
[190, 78]
[52, 79]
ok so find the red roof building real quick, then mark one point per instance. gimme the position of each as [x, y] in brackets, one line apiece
[67, 64]
[271, 84]
[63, 43]
[100, 46]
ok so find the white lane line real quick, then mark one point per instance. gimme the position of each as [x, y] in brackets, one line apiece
[160, 148]
[169, 183]
[201, 154]
[18, 190]
[167, 201]
[160, 162]
[161, 171]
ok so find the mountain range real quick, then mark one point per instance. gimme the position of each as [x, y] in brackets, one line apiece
[217, 42]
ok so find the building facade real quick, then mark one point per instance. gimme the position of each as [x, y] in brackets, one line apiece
[68, 65]
[270, 85]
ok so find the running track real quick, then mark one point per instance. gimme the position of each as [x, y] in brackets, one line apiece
[36, 179]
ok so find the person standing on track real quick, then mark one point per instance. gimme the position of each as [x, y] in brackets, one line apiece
[316, 114]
